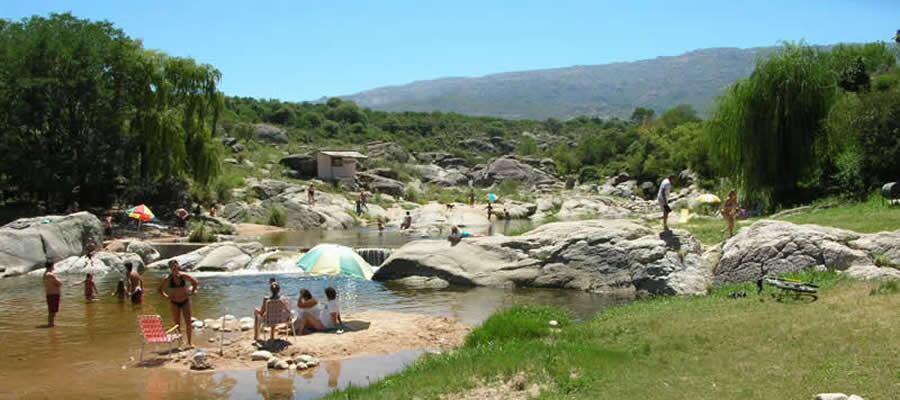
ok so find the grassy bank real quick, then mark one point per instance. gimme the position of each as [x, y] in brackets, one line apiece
[712, 347]
[865, 217]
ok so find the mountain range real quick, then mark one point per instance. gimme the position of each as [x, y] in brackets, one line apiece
[606, 90]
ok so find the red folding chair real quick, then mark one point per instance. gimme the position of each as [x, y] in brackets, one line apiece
[154, 333]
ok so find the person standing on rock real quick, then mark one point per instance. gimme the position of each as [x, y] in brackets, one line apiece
[53, 291]
[311, 195]
[135, 284]
[174, 288]
[663, 198]
[407, 222]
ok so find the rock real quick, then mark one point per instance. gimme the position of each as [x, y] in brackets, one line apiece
[229, 141]
[581, 207]
[277, 363]
[439, 176]
[199, 361]
[145, 250]
[389, 151]
[509, 169]
[516, 210]
[303, 164]
[211, 340]
[237, 148]
[222, 256]
[554, 323]
[329, 212]
[246, 323]
[384, 173]
[231, 161]
[422, 282]
[478, 146]
[260, 355]
[596, 255]
[292, 367]
[218, 225]
[270, 134]
[267, 188]
[831, 396]
[855, 397]
[380, 184]
[884, 244]
[648, 190]
[452, 163]
[103, 263]
[197, 324]
[27, 244]
[304, 358]
[775, 247]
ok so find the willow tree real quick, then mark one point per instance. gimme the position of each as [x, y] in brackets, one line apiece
[766, 127]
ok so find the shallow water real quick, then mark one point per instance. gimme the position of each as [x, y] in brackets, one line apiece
[83, 357]
[370, 237]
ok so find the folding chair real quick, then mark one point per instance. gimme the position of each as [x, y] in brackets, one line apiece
[278, 312]
[153, 332]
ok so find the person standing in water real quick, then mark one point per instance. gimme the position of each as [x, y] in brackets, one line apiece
[174, 288]
[490, 210]
[135, 284]
[53, 291]
[662, 197]
[90, 288]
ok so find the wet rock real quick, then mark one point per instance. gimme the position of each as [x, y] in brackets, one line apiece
[307, 361]
[276, 363]
[422, 282]
[260, 355]
[28, 243]
[144, 250]
[596, 255]
[270, 134]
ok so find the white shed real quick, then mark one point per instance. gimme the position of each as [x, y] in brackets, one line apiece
[337, 165]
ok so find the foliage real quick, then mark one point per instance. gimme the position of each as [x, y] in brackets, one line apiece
[891, 286]
[277, 217]
[82, 104]
[527, 147]
[517, 323]
[202, 234]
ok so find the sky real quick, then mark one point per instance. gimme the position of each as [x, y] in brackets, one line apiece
[305, 49]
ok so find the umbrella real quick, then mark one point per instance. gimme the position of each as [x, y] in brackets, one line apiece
[707, 199]
[141, 213]
[332, 259]
[492, 197]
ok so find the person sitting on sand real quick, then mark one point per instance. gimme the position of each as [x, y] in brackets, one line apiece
[260, 313]
[174, 288]
[52, 289]
[308, 319]
[120, 292]
[135, 287]
[90, 288]
[331, 311]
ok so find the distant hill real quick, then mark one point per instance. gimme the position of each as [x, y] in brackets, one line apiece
[606, 90]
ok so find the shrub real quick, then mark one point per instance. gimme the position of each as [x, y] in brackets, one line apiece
[277, 217]
[411, 194]
[887, 287]
[882, 260]
[517, 323]
[201, 234]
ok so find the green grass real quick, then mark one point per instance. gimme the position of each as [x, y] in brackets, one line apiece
[711, 347]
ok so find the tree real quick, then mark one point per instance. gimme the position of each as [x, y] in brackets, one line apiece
[527, 146]
[767, 125]
[641, 115]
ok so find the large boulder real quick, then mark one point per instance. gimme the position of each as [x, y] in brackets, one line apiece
[103, 263]
[270, 133]
[774, 247]
[509, 169]
[329, 211]
[27, 244]
[303, 165]
[516, 209]
[223, 256]
[380, 184]
[596, 255]
[389, 151]
[218, 225]
[478, 145]
[437, 175]
[144, 250]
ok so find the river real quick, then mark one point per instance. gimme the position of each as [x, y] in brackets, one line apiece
[90, 353]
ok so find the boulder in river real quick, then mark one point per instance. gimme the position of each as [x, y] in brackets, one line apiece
[103, 263]
[144, 250]
[28, 243]
[596, 255]
[223, 256]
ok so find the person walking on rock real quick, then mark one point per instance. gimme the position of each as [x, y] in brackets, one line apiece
[663, 198]
[311, 195]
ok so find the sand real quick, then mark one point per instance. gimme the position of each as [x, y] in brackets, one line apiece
[256, 230]
[371, 333]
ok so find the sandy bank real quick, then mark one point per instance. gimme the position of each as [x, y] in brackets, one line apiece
[255, 230]
[370, 333]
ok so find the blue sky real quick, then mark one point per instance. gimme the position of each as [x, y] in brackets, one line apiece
[304, 49]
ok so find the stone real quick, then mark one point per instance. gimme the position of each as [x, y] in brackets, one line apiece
[237, 148]
[246, 324]
[304, 358]
[389, 151]
[509, 169]
[554, 323]
[594, 255]
[270, 134]
[260, 355]
[145, 250]
[436, 175]
[197, 324]
[380, 184]
[422, 282]
[28, 243]
[103, 263]
[301, 365]
[648, 190]
[231, 161]
[831, 396]
[516, 210]
[775, 247]
[855, 397]
[384, 173]
[229, 141]
[329, 212]
[478, 145]
[222, 256]
[304, 164]
[199, 361]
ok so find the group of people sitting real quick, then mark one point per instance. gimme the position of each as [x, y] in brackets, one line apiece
[313, 316]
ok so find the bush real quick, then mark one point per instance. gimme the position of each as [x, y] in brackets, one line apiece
[411, 194]
[201, 234]
[517, 323]
[589, 174]
[277, 217]
[887, 287]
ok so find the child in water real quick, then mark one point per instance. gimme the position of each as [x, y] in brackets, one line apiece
[90, 288]
[120, 290]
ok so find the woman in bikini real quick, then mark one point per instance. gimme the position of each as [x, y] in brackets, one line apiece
[174, 288]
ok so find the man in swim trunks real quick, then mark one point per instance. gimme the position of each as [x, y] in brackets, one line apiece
[52, 288]
[174, 288]
[135, 284]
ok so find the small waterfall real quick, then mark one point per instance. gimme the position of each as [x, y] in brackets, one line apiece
[374, 256]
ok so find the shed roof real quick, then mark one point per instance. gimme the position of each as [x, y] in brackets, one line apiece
[344, 154]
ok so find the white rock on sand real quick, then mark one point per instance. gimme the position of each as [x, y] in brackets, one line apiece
[260, 355]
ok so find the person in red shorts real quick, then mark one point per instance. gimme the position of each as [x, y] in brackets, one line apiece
[52, 288]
